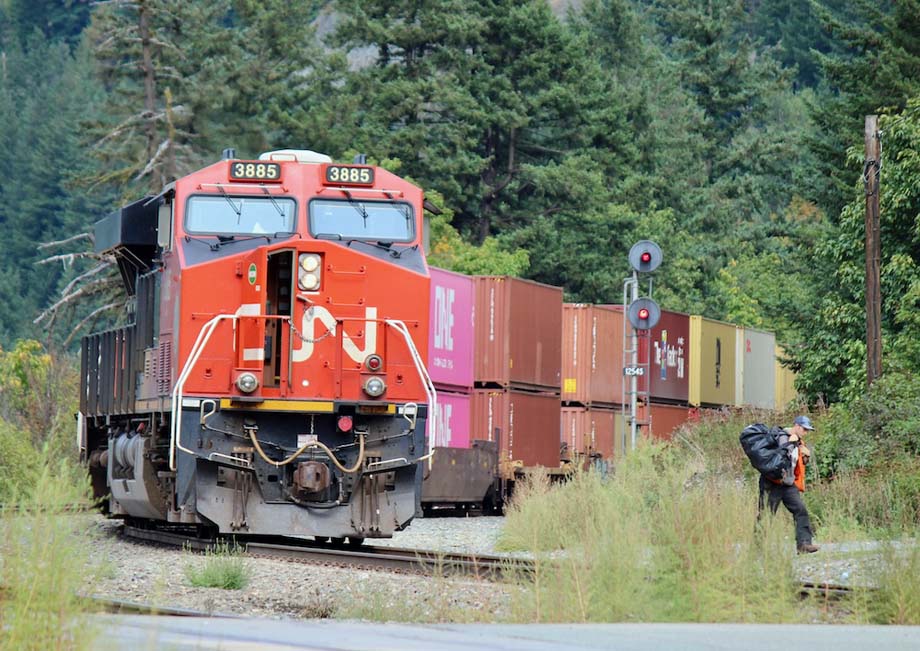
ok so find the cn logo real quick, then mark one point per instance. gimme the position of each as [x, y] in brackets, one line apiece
[444, 318]
[442, 433]
[317, 321]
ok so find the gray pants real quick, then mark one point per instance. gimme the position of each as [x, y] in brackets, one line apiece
[792, 500]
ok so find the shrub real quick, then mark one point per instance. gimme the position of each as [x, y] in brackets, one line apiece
[224, 567]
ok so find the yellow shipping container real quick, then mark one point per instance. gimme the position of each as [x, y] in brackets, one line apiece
[785, 382]
[713, 351]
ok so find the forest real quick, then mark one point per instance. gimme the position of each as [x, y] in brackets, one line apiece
[552, 135]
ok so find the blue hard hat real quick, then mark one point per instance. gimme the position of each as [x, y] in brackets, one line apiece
[805, 422]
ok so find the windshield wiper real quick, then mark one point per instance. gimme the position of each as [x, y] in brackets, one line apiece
[274, 203]
[211, 245]
[357, 206]
[238, 211]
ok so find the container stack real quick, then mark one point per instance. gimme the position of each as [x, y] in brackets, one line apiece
[592, 380]
[450, 356]
[669, 374]
[517, 370]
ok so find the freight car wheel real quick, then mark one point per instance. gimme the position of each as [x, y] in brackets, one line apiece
[355, 542]
[337, 541]
[321, 539]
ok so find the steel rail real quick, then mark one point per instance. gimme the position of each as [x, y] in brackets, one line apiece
[385, 558]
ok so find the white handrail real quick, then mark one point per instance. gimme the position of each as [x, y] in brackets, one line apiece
[427, 384]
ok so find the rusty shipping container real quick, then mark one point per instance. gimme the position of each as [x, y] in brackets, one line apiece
[758, 371]
[669, 367]
[518, 334]
[592, 354]
[712, 362]
[525, 425]
[665, 419]
[589, 431]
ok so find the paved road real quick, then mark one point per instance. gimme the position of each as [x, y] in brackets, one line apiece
[140, 633]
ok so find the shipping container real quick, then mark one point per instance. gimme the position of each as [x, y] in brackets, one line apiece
[450, 338]
[758, 374]
[518, 334]
[785, 390]
[712, 362]
[452, 417]
[525, 425]
[665, 419]
[669, 367]
[589, 431]
[592, 354]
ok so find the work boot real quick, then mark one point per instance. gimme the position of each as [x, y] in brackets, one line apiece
[808, 548]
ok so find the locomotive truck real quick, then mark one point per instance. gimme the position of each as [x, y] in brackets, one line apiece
[270, 379]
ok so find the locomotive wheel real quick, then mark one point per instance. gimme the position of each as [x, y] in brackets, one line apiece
[355, 542]
[337, 541]
[321, 539]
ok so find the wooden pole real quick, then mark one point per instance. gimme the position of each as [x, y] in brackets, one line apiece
[871, 170]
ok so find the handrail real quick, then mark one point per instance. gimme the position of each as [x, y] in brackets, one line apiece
[204, 336]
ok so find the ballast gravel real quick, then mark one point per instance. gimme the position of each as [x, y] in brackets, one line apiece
[156, 575]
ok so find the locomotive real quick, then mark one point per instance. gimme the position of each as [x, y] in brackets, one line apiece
[271, 380]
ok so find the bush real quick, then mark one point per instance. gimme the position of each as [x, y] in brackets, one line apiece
[224, 567]
[664, 539]
[43, 563]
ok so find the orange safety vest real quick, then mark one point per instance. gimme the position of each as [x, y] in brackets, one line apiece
[799, 472]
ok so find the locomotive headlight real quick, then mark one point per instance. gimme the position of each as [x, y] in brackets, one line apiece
[374, 386]
[247, 382]
[308, 272]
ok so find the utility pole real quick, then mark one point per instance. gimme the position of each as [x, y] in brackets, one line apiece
[871, 172]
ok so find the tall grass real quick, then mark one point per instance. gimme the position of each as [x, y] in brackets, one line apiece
[662, 540]
[43, 563]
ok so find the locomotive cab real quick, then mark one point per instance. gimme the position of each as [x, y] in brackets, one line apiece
[272, 380]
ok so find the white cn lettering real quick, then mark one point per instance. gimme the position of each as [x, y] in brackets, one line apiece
[317, 314]
[444, 318]
[442, 436]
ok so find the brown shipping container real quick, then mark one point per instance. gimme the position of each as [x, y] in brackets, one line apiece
[666, 419]
[669, 361]
[592, 353]
[518, 333]
[586, 431]
[525, 425]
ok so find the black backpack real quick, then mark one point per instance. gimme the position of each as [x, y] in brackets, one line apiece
[767, 450]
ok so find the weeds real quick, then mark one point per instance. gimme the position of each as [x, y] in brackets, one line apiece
[224, 567]
[43, 564]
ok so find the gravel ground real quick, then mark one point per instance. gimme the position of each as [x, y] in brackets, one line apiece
[153, 574]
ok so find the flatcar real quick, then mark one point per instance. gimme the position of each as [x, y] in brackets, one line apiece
[270, 379]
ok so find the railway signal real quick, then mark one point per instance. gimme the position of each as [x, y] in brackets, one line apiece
[643, 314]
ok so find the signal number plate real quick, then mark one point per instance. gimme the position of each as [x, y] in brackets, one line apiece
[266, 172]
[349, 175]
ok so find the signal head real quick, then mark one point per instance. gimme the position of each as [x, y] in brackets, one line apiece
[645, 256]
[643, 314]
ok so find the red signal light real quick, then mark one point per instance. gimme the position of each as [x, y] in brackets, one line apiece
[643, 314]
[373, 363]
[646, 257]
[345, 423]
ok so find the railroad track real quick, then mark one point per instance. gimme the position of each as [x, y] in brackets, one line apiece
[393, 559]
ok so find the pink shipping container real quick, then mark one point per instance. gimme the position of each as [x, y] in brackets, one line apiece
[525, 425]
[589, 431]
[450, 338]
[518, 333]
[592, 354]
[452, 417]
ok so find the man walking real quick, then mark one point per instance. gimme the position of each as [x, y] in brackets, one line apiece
[790, 492]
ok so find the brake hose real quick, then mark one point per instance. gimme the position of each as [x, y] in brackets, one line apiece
[310, 444]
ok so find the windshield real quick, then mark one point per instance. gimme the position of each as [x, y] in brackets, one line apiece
[362, 220]
[227, 215]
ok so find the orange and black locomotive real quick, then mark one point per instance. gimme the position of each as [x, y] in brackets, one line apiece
[272, 380]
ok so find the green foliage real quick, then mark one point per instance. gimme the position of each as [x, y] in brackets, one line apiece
[44, 562]
[223, 567]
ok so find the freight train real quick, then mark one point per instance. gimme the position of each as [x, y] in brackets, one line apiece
[270, 379]
[526, 380]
